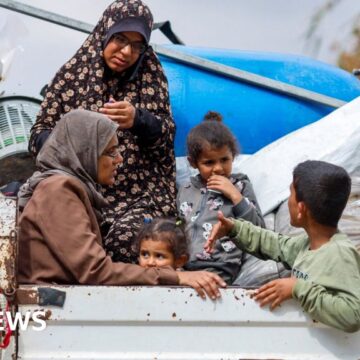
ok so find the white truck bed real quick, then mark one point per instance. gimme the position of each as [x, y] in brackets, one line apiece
[103, 322]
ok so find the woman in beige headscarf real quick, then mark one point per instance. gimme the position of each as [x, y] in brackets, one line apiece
[60, 241]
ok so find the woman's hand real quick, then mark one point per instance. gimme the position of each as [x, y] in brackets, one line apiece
[204, 282]
[224, 185]
[121, 112]
[275, 292]
[219, 230]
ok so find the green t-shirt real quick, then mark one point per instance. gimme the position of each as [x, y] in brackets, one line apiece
[328, 285]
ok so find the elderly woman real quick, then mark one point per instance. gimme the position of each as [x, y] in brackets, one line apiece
[117, 73]
[60, 240]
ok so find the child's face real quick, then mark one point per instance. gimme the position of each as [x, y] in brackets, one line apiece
[214, 162]
[154, 253]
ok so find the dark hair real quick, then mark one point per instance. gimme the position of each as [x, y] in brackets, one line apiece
[211, 132]
[169, 230]
[324, 188]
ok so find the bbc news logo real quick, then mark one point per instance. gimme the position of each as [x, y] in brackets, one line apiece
[22, 320]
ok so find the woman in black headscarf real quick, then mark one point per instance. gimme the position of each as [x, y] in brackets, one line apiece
[118, 74]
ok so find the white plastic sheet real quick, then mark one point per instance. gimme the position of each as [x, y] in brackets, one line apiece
[335, 138]
[12, 29]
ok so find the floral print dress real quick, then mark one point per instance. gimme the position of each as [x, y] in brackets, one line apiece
[145, 183]
[199, 207]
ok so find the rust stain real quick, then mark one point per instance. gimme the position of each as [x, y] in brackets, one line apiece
[8, 243]
[8, 215]
[26, 296]
[47, 315]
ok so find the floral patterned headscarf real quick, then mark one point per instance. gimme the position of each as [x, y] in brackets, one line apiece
[85, 82]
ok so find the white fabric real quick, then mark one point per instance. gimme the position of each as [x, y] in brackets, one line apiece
[335, 138]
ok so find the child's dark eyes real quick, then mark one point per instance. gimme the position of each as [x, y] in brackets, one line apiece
[211, 162]
[208, 162]
[146, 254]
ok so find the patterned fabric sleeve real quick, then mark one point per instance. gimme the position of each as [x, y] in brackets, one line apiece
[155, 102]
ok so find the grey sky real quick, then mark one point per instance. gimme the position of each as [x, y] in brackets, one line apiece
[257, 25]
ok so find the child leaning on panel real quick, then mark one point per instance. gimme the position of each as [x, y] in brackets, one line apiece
[211, 149]
[162, 242]
[325, 264]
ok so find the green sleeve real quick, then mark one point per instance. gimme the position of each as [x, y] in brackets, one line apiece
[339, 310]
[266, 244]
[333, 298]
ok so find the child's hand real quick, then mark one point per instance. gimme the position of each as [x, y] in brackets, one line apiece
[275, 292]
[219, 230]
[121, 112]
[203, 282]
[223, 184]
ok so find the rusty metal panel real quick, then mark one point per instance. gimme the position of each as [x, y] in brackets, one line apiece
[8, 248]
[7, 215]
[8, 252]
[138, 323]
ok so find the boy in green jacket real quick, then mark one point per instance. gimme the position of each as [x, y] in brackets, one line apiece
[325, 264]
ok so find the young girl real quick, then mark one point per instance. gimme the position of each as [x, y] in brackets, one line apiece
[211, 149]
[162, 242]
